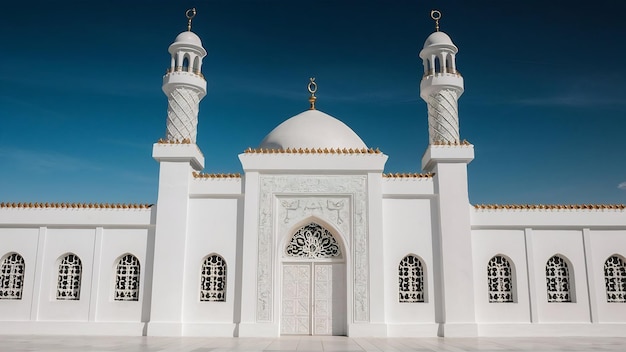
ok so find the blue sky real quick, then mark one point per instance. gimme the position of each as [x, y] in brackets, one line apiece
[81, 101]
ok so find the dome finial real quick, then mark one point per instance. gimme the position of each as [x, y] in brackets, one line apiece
[191, 13]
[312, 89]
[435, 15]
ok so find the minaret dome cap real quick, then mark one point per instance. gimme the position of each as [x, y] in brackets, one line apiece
[188, 37]
[437, 39]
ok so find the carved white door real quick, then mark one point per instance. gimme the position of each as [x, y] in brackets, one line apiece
[296, 312]
[308, 305]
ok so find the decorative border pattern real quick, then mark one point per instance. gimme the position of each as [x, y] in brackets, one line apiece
[76, 205]
[549, 206]
[271, 212]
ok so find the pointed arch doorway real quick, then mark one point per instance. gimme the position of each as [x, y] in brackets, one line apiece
[313, 283]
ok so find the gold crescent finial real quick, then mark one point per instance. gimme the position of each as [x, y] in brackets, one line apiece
[191, 13]
[312, 87]
[435, 15]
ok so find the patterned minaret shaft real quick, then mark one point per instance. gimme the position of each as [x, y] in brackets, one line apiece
[443, 117]
[184, 86]
[440, 88]
[182, 115]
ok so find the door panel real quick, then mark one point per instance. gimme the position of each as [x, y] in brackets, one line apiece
[322, 312]
[296, 315]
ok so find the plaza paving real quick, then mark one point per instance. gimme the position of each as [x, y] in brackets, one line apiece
[304, 343]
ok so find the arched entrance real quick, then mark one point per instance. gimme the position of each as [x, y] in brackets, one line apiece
[313, 283]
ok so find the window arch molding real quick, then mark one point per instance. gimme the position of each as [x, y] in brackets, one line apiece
[501, 279]
[126, 277]
[68, 277]
[615, 278]
[13, 268]
[560, 284]
[213, 278]
[332, 230]
[412, 279]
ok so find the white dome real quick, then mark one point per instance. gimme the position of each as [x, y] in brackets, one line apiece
[438, 38]
[188, 37]
[312, 129]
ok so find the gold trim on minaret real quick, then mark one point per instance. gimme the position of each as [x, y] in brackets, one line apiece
[312, 87]
[191, 13]
[436, 15]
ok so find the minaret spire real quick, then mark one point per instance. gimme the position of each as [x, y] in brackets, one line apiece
[184, 85]
[191, 13]
[441, 86]
[312, 87]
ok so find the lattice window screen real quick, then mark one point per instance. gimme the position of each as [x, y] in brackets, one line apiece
[313, 241]
[12, 277]
[213, 279]
[411, 280]
[68, 286]
[127, 279]
[500, 280]
[615, 279]
[557, 280]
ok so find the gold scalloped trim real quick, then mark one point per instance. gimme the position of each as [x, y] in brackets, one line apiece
[550, 206]
[203, 175]
[461, 143]
[176, 141]
[76, 205]
[408, 175]
[313, 151]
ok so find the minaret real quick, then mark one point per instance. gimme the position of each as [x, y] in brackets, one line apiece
[441, 86]
[178, 157]
[447, 158]
[184, 85]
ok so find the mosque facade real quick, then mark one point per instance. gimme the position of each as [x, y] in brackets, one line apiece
[314, 238]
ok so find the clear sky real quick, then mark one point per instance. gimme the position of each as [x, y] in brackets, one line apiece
[81, 101]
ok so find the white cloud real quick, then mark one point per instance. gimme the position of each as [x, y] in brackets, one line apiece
[622, 186]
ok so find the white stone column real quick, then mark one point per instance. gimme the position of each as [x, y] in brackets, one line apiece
[177, 162]
[453, 255]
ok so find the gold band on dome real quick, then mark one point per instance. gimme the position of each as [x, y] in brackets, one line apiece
[435, 15]
[191, 13]
[312, 87]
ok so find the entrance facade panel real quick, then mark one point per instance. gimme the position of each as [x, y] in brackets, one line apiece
[313, 293]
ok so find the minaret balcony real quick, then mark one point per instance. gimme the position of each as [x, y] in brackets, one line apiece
[184, 70]
[433, 73]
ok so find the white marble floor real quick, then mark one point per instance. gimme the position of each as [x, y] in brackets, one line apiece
[305, 343]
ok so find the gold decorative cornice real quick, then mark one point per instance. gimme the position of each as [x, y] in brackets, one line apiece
[76, 205]
[167, 141]
[408, 175]
[203, 175]
[550, 206]
[313, 151]
[448, 143]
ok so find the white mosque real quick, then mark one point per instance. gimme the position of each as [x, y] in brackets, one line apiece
[313, 239]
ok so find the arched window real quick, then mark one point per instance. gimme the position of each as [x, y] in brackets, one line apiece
[438, 68]
[557, 280]
[313, 241]
[185, 64]
[411, 279]
[213, 279]
[615, 279]
[12, 277]
[500, 280]
[70, 270]
[127, 278]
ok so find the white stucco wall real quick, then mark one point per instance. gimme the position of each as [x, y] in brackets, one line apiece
[214, 228]
[407, 229]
